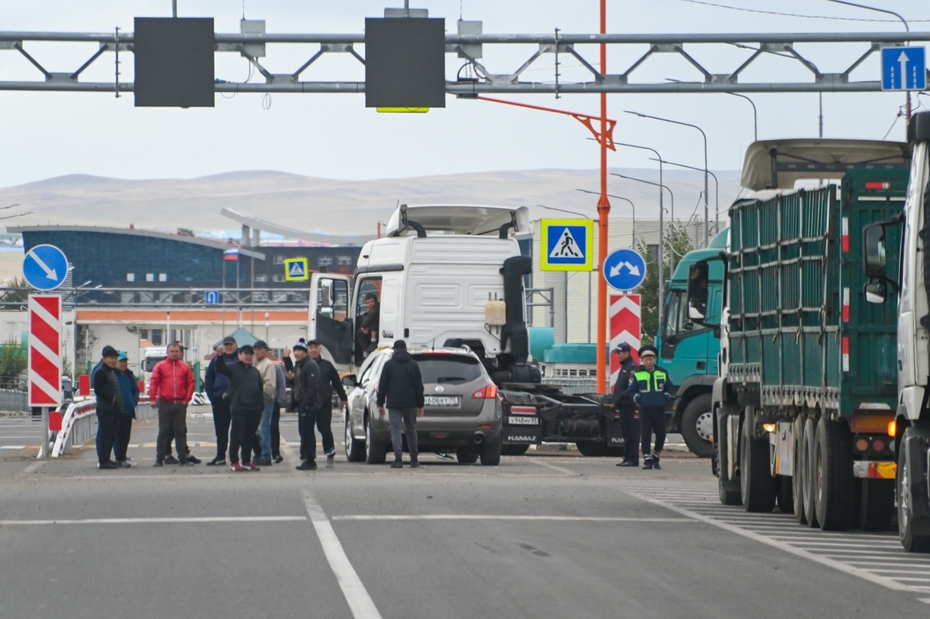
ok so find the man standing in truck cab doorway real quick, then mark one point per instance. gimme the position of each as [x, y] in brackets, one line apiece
[626, 409]
[650, 388]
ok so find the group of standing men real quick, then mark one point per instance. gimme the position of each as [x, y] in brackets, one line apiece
[117, 395]
[645, 388]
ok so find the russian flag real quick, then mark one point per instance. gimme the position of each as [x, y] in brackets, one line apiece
[231, 254]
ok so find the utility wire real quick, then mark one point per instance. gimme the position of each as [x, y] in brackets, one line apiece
[764, 12]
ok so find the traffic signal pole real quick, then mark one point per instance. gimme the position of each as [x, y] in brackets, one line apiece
[603, 212]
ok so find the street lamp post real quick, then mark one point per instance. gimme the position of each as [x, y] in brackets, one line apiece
[755, 115]
[706, 170]
[632, 208]
[716, 192]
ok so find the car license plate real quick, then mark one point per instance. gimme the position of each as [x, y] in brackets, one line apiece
[522, 421]
[441, 400]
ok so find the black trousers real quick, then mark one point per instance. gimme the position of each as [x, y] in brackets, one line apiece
[322, 419]
[106, 432]
[652, 421]
[221, 421]
[275, 432]
[244, 426]
[628, 426]
[123, 428]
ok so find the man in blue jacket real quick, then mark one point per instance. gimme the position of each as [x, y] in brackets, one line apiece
[129, 387]
[217, 387]
[650, 388]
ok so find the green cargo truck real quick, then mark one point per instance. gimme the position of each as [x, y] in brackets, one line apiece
[808, 383]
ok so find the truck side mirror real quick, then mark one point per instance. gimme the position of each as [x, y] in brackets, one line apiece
[326, 291]
[875, 292]
[698, 282]
[875, 251]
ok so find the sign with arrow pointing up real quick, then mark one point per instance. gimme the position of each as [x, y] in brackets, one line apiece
[624, 269]
[904, 68]
[45, 267]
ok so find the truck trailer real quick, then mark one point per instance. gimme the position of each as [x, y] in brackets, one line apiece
[807, 390]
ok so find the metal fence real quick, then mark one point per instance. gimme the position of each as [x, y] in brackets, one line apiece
[13, 400]
[79, 423]
[573, 386]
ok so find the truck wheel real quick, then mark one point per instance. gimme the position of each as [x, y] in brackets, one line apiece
[798, 483]
[491, 454]
[785, 494]
[756, 482]
[590, 449]
[374, 453]
[514, 450]
[697, 426]
[466, 455]
[810, 479]
[355, 449]
[876, 504]
[912, 498]
[728, 489]
[833, 472]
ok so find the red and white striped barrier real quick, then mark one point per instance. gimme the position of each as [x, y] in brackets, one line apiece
[625, 326]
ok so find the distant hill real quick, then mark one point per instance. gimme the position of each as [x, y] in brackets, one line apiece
[337, 206]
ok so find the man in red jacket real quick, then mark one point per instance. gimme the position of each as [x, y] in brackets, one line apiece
[172, 386]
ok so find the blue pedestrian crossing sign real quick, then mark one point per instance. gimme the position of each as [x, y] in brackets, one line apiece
[904, 68]
[45, 267]
[624, 269]
[295, 270]
[567, 245]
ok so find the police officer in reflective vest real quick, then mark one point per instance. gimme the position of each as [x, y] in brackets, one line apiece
[650, 387]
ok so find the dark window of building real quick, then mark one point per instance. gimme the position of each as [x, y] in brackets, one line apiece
[344, 259]
[324, 261]
[279, 259]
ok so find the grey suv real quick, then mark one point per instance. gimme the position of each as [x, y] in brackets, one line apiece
[462, 409]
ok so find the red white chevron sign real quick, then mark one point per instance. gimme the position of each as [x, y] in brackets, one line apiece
[625, 326]
[44, 350]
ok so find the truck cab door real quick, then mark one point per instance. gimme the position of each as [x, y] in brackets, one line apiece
[330, 319]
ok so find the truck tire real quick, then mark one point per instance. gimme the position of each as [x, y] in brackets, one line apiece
[727, 488]
[808, 440]
[914, 531]
[466, 455]
[834, 475]
[374, 452]
[798, 485]
[757, 485]
[514, 450]
[590, 449]
[355, 449]
[876, 504]
[697, 426]
[784, 493]
[491, 453]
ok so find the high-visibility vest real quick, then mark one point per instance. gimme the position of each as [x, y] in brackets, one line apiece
[651, 381]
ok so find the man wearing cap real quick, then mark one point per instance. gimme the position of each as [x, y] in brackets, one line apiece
[650, 388]
[625, 408]
[265, 367]
[246, 403]
[129, 388]
[401, 387]
[171, 386]
[109, 404]
[330, 380]
[307, 397]
[217, 387]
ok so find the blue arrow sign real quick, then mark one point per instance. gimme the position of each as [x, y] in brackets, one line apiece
[624, 269]
[211, 297]
[904, 68]
[45, 267]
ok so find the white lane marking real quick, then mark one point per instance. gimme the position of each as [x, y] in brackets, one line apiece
[493, 517]
[158, 520]
[35, 466]
[12, 446]
[842, 567]
[924, 600]
[360, 603]
[551, 466]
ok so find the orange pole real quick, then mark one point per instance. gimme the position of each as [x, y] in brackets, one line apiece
[603, 211]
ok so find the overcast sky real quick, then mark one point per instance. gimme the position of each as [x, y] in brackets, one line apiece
[335, 136]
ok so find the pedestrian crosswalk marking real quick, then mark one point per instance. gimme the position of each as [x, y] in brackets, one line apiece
[566, 246]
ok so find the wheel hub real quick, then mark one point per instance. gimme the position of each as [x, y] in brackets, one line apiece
[705, 425]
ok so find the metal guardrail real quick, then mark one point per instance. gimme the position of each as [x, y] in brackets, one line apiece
[12, 299]
[79, 423]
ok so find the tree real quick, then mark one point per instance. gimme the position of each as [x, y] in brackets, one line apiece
[678, 240]
[13, 361]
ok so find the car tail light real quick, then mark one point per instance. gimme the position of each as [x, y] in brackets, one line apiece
[485, 393]
[877, 185]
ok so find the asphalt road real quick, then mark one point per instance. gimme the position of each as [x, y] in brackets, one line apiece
[546, 535]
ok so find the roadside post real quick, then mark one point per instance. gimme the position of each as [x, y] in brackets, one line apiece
[624, 270]
[45, 268]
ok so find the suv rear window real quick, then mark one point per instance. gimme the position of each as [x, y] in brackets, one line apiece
[451, 369]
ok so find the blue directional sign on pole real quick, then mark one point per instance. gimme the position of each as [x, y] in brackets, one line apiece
[45, 267]
[624, 269]
[211, 297]
[904, 68]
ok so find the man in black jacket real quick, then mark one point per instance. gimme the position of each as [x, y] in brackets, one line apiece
[401, 385]
[246, 403]
[626, 409]
[329, 381]
[307, 397]
[109, 405]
